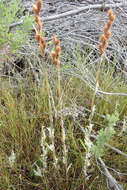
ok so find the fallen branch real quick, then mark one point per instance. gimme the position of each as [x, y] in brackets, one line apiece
[74, 12]
[111, 181]
[81, 9]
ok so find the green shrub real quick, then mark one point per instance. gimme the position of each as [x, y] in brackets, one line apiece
[12, 38]
[105, 135]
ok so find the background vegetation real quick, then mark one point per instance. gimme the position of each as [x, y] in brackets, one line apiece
[60, 127]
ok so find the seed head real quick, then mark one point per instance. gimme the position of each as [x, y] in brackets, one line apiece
[107, 32]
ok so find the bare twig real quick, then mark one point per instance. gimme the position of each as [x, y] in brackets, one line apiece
[111, 181]
[113, 148]
[116, 150]
[15, 24]
[112, 93]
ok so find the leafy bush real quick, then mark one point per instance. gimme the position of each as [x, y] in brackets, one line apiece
[105, 135]
[12, 38]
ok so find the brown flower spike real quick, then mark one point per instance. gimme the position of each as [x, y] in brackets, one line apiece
[39, 26]
[107, 32]
[55, 55]
[37, 7]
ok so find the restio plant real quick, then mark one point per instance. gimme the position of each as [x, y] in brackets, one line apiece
[106, 32]
[39, 36]
[14, 31]
[39, 26]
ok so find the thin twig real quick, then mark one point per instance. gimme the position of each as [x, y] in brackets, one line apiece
[112, 93]
[13, 25]
[111, 147]
[116, 150]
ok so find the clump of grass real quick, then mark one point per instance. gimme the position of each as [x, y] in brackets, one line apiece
[90, 128]
[31, 124]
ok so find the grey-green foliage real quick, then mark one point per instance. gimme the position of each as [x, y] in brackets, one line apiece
[17, 36]
[105, 135]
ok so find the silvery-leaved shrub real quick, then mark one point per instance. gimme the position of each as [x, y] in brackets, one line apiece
[105, 135]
